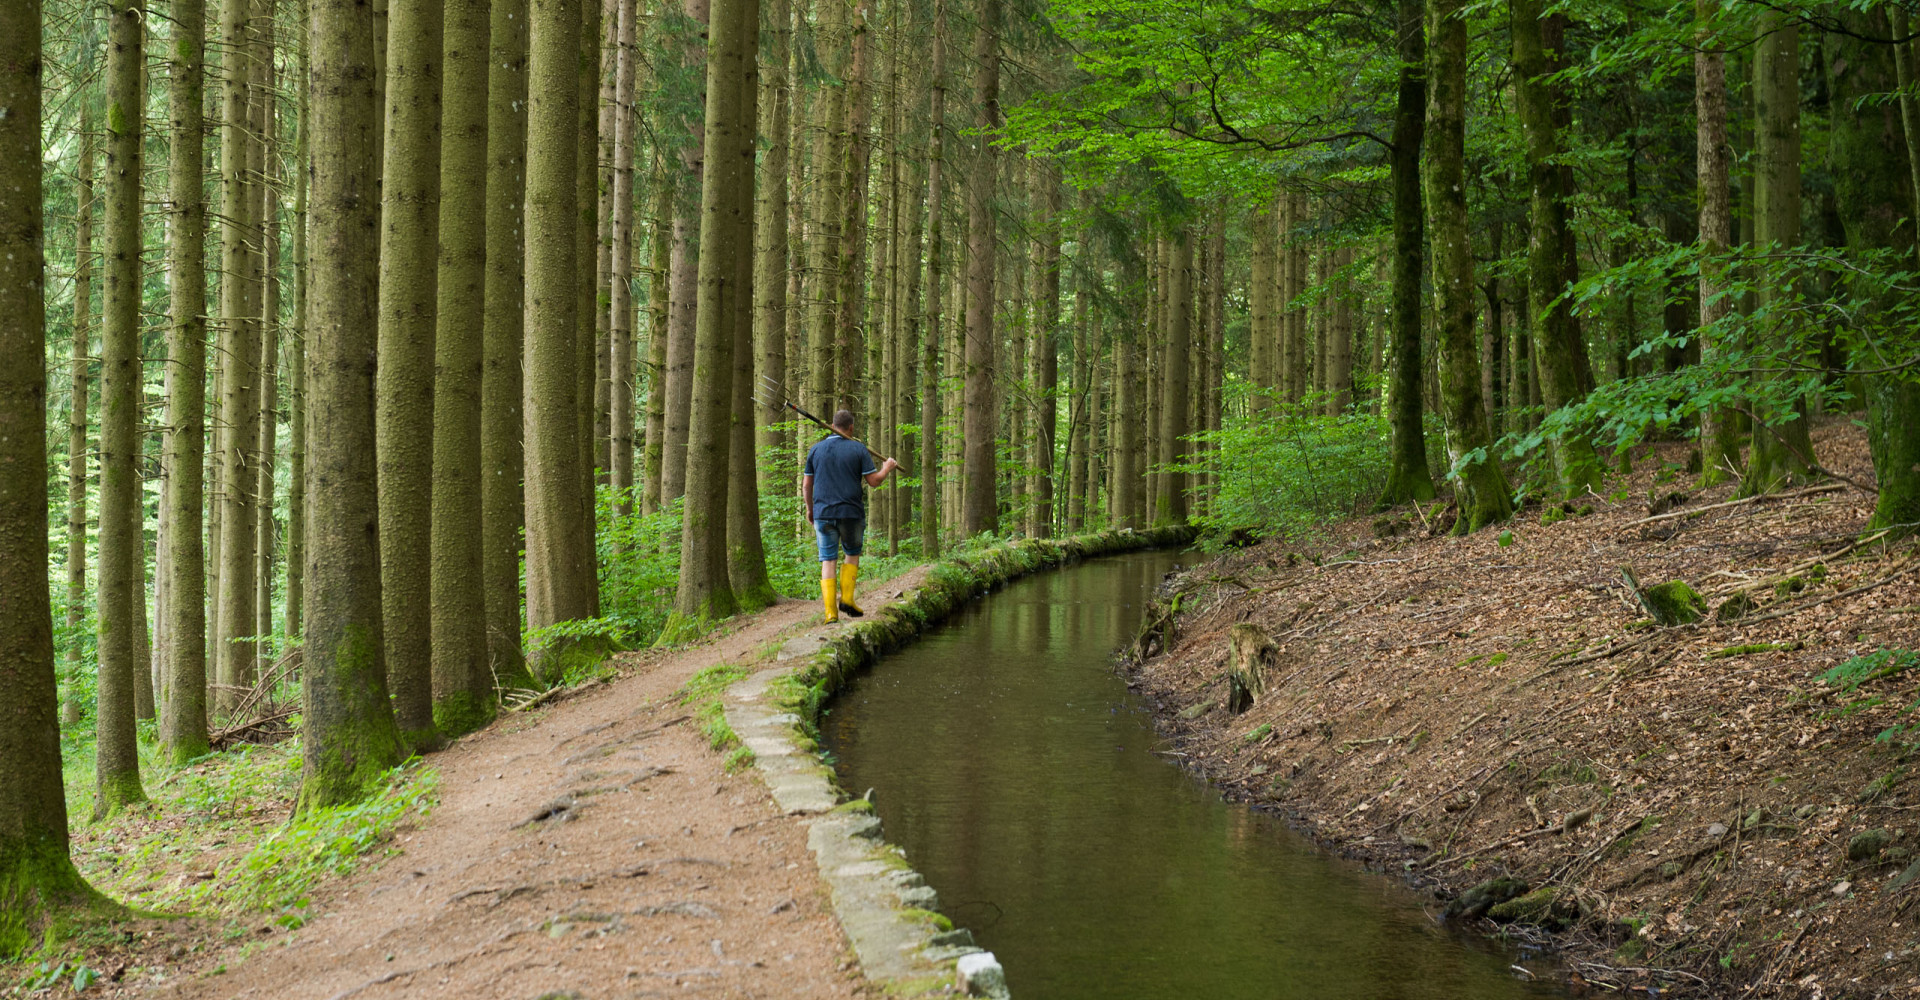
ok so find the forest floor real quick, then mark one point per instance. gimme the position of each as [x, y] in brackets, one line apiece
[1704, 803]
[597, 846]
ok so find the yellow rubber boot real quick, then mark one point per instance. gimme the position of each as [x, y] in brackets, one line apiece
[830, 600]
[849, 572]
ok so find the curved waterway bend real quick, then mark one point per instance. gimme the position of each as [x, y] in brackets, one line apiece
[1016, 770]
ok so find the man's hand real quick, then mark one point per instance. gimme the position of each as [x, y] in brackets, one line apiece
[889, 465]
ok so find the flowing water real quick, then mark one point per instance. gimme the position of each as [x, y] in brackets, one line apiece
[1012, 764]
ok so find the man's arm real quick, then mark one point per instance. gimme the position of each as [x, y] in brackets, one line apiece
[806, 495]
[879, 475]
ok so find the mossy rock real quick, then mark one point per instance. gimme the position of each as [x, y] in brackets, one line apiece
[1790, 586]
[1733, 608]
[1672, 870]
[1480, 900]
[1543, 907]
[1553, 515]
[1675, 603]
[1867, 844]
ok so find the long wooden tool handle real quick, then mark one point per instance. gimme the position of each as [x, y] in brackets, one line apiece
[829, 428]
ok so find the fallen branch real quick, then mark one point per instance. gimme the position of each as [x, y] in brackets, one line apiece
[1689, 512]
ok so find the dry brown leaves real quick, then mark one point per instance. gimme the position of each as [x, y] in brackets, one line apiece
[1463, 709]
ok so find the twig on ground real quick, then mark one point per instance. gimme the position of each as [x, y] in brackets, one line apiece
[1689, 512]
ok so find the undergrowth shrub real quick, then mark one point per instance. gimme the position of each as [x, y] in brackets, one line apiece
[1287, 469]
[1856, 673]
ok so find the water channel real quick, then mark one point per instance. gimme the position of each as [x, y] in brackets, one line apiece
[1014, 767]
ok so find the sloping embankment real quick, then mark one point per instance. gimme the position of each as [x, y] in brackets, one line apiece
[1697, 799]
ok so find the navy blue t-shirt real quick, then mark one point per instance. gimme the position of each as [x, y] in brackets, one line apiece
[839, 468]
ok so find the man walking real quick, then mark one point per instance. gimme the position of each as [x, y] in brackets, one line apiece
[831, 486]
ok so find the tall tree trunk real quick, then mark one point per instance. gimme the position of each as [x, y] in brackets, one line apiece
[34, 863]
[410, 215]
[183, 724]
[620, 387]
[560, 587]
[746, 554]
[683, 286]
[704, 593]
[660, 249]
[240, 379]
[1719, 432]
[827, 200]
[1407, 474]
[1294, 255]
[77, 410]
[588, 312]
[606, 104]
[1340, 338]
[930, 353]
[1868, 151]
[117, 753]
[297, 356]
[1047, 348]
[1262, 337]
[1542, 107]
[502, 497]
[851, 374]
[351, 737]
[1170, 499]
[462, 680]
[265, 129]
[1480, 489]
[770, 272]
[1782, 451]
[980, 511]
[1079, 410]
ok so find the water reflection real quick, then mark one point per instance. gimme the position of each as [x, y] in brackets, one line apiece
[1016, 770]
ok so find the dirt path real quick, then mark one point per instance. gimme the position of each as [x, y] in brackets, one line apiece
[664, 877]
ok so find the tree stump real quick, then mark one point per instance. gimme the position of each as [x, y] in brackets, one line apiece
[1250, 654]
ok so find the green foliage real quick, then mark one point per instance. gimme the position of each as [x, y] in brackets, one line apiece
[1858, 672]
[1286, 470]
[168, 856]
[704, 690]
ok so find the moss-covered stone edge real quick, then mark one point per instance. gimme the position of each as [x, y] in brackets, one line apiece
[949, 583]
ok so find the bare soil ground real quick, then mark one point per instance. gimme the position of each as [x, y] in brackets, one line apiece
[1458, 709]
[596, 848]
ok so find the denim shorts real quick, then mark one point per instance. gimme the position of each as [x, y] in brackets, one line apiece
[837, 533]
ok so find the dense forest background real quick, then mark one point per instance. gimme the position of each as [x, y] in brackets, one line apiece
[371, 364]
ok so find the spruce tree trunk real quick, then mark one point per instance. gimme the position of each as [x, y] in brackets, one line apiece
[502, 497]
[827, 201]
[607, 104]
[1216, 335]
[704, 594]
[1559, 352]
[1079, 410]
[559, 571]
[1262, 339]
[1782, 448]
[239, 429]
[1719, 433]
[1340, 340]
[746, 555]
[297, 359]
[350, 737]
[77, 409]
[931, 345]
[1127, 469]
[410, 217]
[850, 368]
[1170, 500]
[683, 286]
[980, 509]
[1047, 348]
[39, 877]
[1299, 376]
[117, 754]
[1407, 474]
[770, 272]
[1868, 152]
[660, 251]
[462, 680]
[1480, 489]
[266, 528]
[589, 308]
[620, 388]
[183, 723]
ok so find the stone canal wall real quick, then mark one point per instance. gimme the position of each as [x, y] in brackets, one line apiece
[887, 909]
